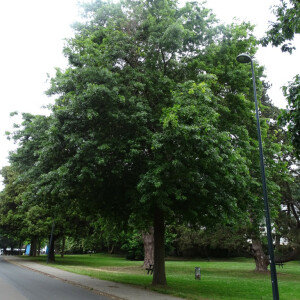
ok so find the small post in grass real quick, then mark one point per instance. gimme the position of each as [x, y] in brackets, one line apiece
[197, 273]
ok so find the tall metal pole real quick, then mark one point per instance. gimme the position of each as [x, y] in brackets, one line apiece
[245, 58]
[266, 203]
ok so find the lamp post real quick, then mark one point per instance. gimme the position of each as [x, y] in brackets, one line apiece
[245, 58]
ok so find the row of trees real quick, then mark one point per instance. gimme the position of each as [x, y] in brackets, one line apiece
[152, 126]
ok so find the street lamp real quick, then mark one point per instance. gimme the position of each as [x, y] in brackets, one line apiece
[244, 59]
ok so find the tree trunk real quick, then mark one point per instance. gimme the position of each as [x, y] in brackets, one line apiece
[51, 256]
[261, 260]
[148, 239]
[62, 254]
[108, 247]
[20, 246]
[277, 241]
[159, 273]
[39, 247]
[33, 247]
[112, 249]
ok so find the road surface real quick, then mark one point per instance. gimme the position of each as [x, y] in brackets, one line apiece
[17, 283]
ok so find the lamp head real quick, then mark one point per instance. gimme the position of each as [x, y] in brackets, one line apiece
[244, 58]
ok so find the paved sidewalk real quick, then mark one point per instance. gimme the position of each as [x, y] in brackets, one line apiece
[113, 290]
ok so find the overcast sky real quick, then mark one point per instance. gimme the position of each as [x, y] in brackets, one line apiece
[32, 38]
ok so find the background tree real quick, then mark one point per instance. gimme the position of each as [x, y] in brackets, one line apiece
[12, 216]
[285, 27]
[234, 84]
[291, 116]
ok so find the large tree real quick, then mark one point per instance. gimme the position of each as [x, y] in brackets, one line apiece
[153, 119]
[139, 117]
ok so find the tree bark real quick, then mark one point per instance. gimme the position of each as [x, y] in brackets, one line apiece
[33, 247]
[62, 254]
[20, 246]
[261, 259]
[51, 255]
[148, 239]
[277, 241]
[292, 206]
[159, 273]
[112, 249]
[39, 247]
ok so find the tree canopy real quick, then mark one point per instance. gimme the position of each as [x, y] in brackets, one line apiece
[153, 121]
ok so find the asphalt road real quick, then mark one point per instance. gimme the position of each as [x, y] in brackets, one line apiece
[17, 283]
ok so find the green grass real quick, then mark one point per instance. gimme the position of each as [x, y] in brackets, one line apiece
[220, 279]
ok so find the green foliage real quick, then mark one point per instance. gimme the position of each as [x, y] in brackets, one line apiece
[286, 25]
[134, 246]
[190, 146]
[217, 241]
[291, 116]
[152, 113]
[11, 213]
[136, 87]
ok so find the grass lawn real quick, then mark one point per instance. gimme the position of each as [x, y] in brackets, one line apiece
[220, 279]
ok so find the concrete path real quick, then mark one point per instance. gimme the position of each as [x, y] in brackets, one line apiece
[18, 283]
[114, 290]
